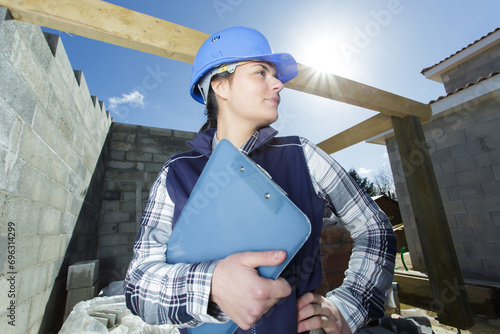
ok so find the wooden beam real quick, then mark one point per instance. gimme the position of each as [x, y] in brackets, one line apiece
[361, 131]
[337, 88]
[112, 24]
[450, 297]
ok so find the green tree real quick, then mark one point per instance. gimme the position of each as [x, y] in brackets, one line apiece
[363, 182]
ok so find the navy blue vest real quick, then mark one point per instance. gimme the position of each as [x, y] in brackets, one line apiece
[283, 158]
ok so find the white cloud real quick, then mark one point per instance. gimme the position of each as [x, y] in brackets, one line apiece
[120, 105]
[364, 171]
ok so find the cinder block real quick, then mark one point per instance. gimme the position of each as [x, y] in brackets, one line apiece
[488, 234]
[153, 167]
[115, 217]
[486, 114]
[33, 280]
[121, 146]
[183, 134]
[11, 126]
[454, 207]
[462, 235]
[50, 221]
[108, 228]
[483, 129]
[495, 218]
[458, 165]
[128, 206]
[50, 248]
[110, 317]
[37, 310]
[471, 267]
[450, 139]
[150, 149]
[122, 165]
[482, 250]
[161, 158]
[492, 268]
[496, 171]
[116, 239]
[117, 155]
[128, 228]
[15, 92]
[484, 159]
[461, 122]
[475, 176]
[28, 67]
[115, 251]
[83, 274]
[492, 142]
[470, 191]
[110, 205]
[482, 204]
[78, 295]
[447, 180]
[466, 149]
[129, 196]
[441, 155]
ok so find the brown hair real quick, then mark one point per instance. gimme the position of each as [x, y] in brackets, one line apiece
[212, 108]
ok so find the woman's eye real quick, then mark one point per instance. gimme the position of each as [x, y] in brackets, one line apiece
[263, 73]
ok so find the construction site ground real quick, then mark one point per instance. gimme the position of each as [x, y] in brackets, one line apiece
[483, 324]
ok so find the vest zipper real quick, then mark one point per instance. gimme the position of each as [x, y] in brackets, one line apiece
[253, 330]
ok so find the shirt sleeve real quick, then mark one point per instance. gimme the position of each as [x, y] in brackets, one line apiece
[371, 267]
[163, 293]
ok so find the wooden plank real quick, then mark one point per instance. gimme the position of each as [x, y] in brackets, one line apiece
[337, 88]
[450, 297]
[112, 24]
[362, 131]
[415, 288]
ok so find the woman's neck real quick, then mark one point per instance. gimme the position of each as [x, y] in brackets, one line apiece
[237, 135]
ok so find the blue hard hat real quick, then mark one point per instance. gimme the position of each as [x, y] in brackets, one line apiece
[236, 44]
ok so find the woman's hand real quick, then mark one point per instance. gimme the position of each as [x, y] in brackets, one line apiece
[241, 293]
[315, 311]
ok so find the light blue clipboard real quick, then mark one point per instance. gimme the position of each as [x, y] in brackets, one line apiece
[235, 207]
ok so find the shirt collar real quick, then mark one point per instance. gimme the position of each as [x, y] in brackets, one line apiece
[245, 148]
[206, 140]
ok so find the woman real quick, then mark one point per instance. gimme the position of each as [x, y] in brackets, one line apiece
[239, 78]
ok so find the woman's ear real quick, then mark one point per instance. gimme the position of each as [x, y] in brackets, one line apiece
[220, 87]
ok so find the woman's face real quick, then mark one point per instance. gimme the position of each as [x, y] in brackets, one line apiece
[253, 94]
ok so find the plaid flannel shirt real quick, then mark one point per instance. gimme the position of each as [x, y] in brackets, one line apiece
[178, 294]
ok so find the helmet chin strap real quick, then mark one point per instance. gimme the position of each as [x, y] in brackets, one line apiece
[204, 82]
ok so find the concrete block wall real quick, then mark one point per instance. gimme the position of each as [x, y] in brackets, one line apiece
[46, 169]
[464, 143]
[469, 71]
[136, 155]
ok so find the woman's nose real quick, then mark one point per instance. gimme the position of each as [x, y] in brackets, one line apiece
[277, 84]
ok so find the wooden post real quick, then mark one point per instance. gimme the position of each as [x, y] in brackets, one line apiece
[450, 297]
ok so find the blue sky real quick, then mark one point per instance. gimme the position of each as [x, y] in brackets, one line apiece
[382, 43]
